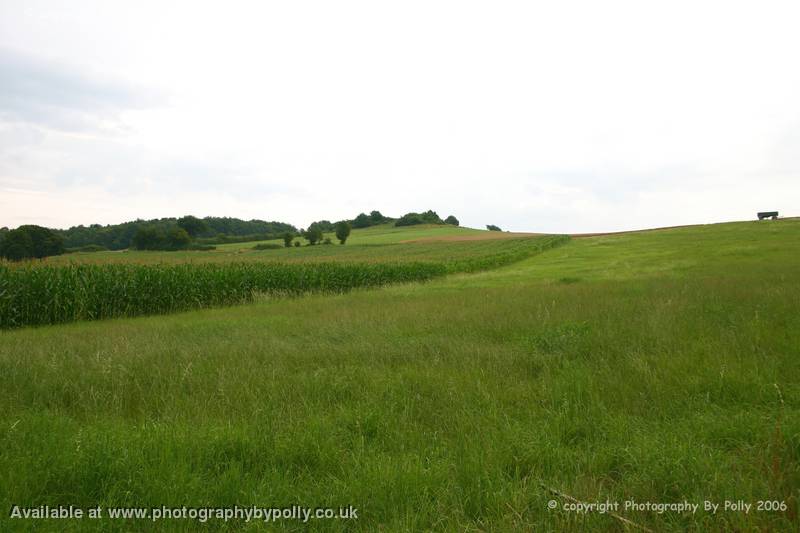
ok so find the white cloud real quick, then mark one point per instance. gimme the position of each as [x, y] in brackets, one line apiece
[575, 116]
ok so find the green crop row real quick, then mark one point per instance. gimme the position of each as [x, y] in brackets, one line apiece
[37, 294]
[510, 251]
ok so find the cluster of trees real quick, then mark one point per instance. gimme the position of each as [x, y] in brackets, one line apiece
[28, 242]
[364, 220]
[374, 218]
[324, 225]
[428, 217]
[315, 231]
[208, 230]
[492, 227]
[158, 238]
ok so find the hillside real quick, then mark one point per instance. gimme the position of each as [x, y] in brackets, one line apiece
[659, 367]
[384, 242]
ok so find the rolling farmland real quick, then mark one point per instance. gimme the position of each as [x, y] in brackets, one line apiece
[654, 367]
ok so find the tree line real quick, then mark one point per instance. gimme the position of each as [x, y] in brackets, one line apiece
[208, 230]
[314, 233]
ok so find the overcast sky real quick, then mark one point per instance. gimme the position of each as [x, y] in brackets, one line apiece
[539, 116]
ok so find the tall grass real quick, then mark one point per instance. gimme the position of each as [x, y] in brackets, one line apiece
[37, 294]
[638, 366]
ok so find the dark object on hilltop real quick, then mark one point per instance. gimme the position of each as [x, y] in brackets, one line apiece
[492, 227]
[453, 221]
[768, 214]
[342, 231]
[27, 242]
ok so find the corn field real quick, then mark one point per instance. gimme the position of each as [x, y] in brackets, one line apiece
[38, 294]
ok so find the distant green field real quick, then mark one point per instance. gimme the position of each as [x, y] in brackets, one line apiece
[658, 367]
[361, 246]
[42, 293]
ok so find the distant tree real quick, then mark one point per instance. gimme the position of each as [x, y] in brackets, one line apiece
[297, 243]
[287, 239]
[376, 217]
[16, 246]
[148, 238]
[492, 227]
[192, 225]
[313, 234]
[432, 217]
[342, 231]
[31, 241]
[451, 220]
[324, 225]
[412, 219]
[177, 238]
[362, 221]
[157, 238]
[46, 242]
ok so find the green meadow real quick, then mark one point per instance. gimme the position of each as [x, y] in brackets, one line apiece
[378, 243]
[658, 367]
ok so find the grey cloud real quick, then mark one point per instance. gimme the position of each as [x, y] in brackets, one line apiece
[62, 97]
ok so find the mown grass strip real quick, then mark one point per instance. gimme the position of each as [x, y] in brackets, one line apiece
[36, 294]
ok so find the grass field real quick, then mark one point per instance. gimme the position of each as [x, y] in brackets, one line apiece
[378, 243]
[45, 293]
[659, 367]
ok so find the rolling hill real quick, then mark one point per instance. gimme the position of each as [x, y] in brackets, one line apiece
[655, 367]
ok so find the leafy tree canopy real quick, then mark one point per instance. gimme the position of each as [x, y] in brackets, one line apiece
[374, 218]
[342, 231]
[217, 229]
[313, 234]
[412, 219]
[362, 221]
[192, 225]
[324, 225]
[30, 241]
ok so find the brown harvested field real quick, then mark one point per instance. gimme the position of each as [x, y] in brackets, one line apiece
[485, 236]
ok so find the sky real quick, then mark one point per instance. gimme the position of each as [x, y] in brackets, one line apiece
[534, 116]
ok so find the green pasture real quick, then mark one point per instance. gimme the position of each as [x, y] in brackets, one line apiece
[361, 246]
[658, 367]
